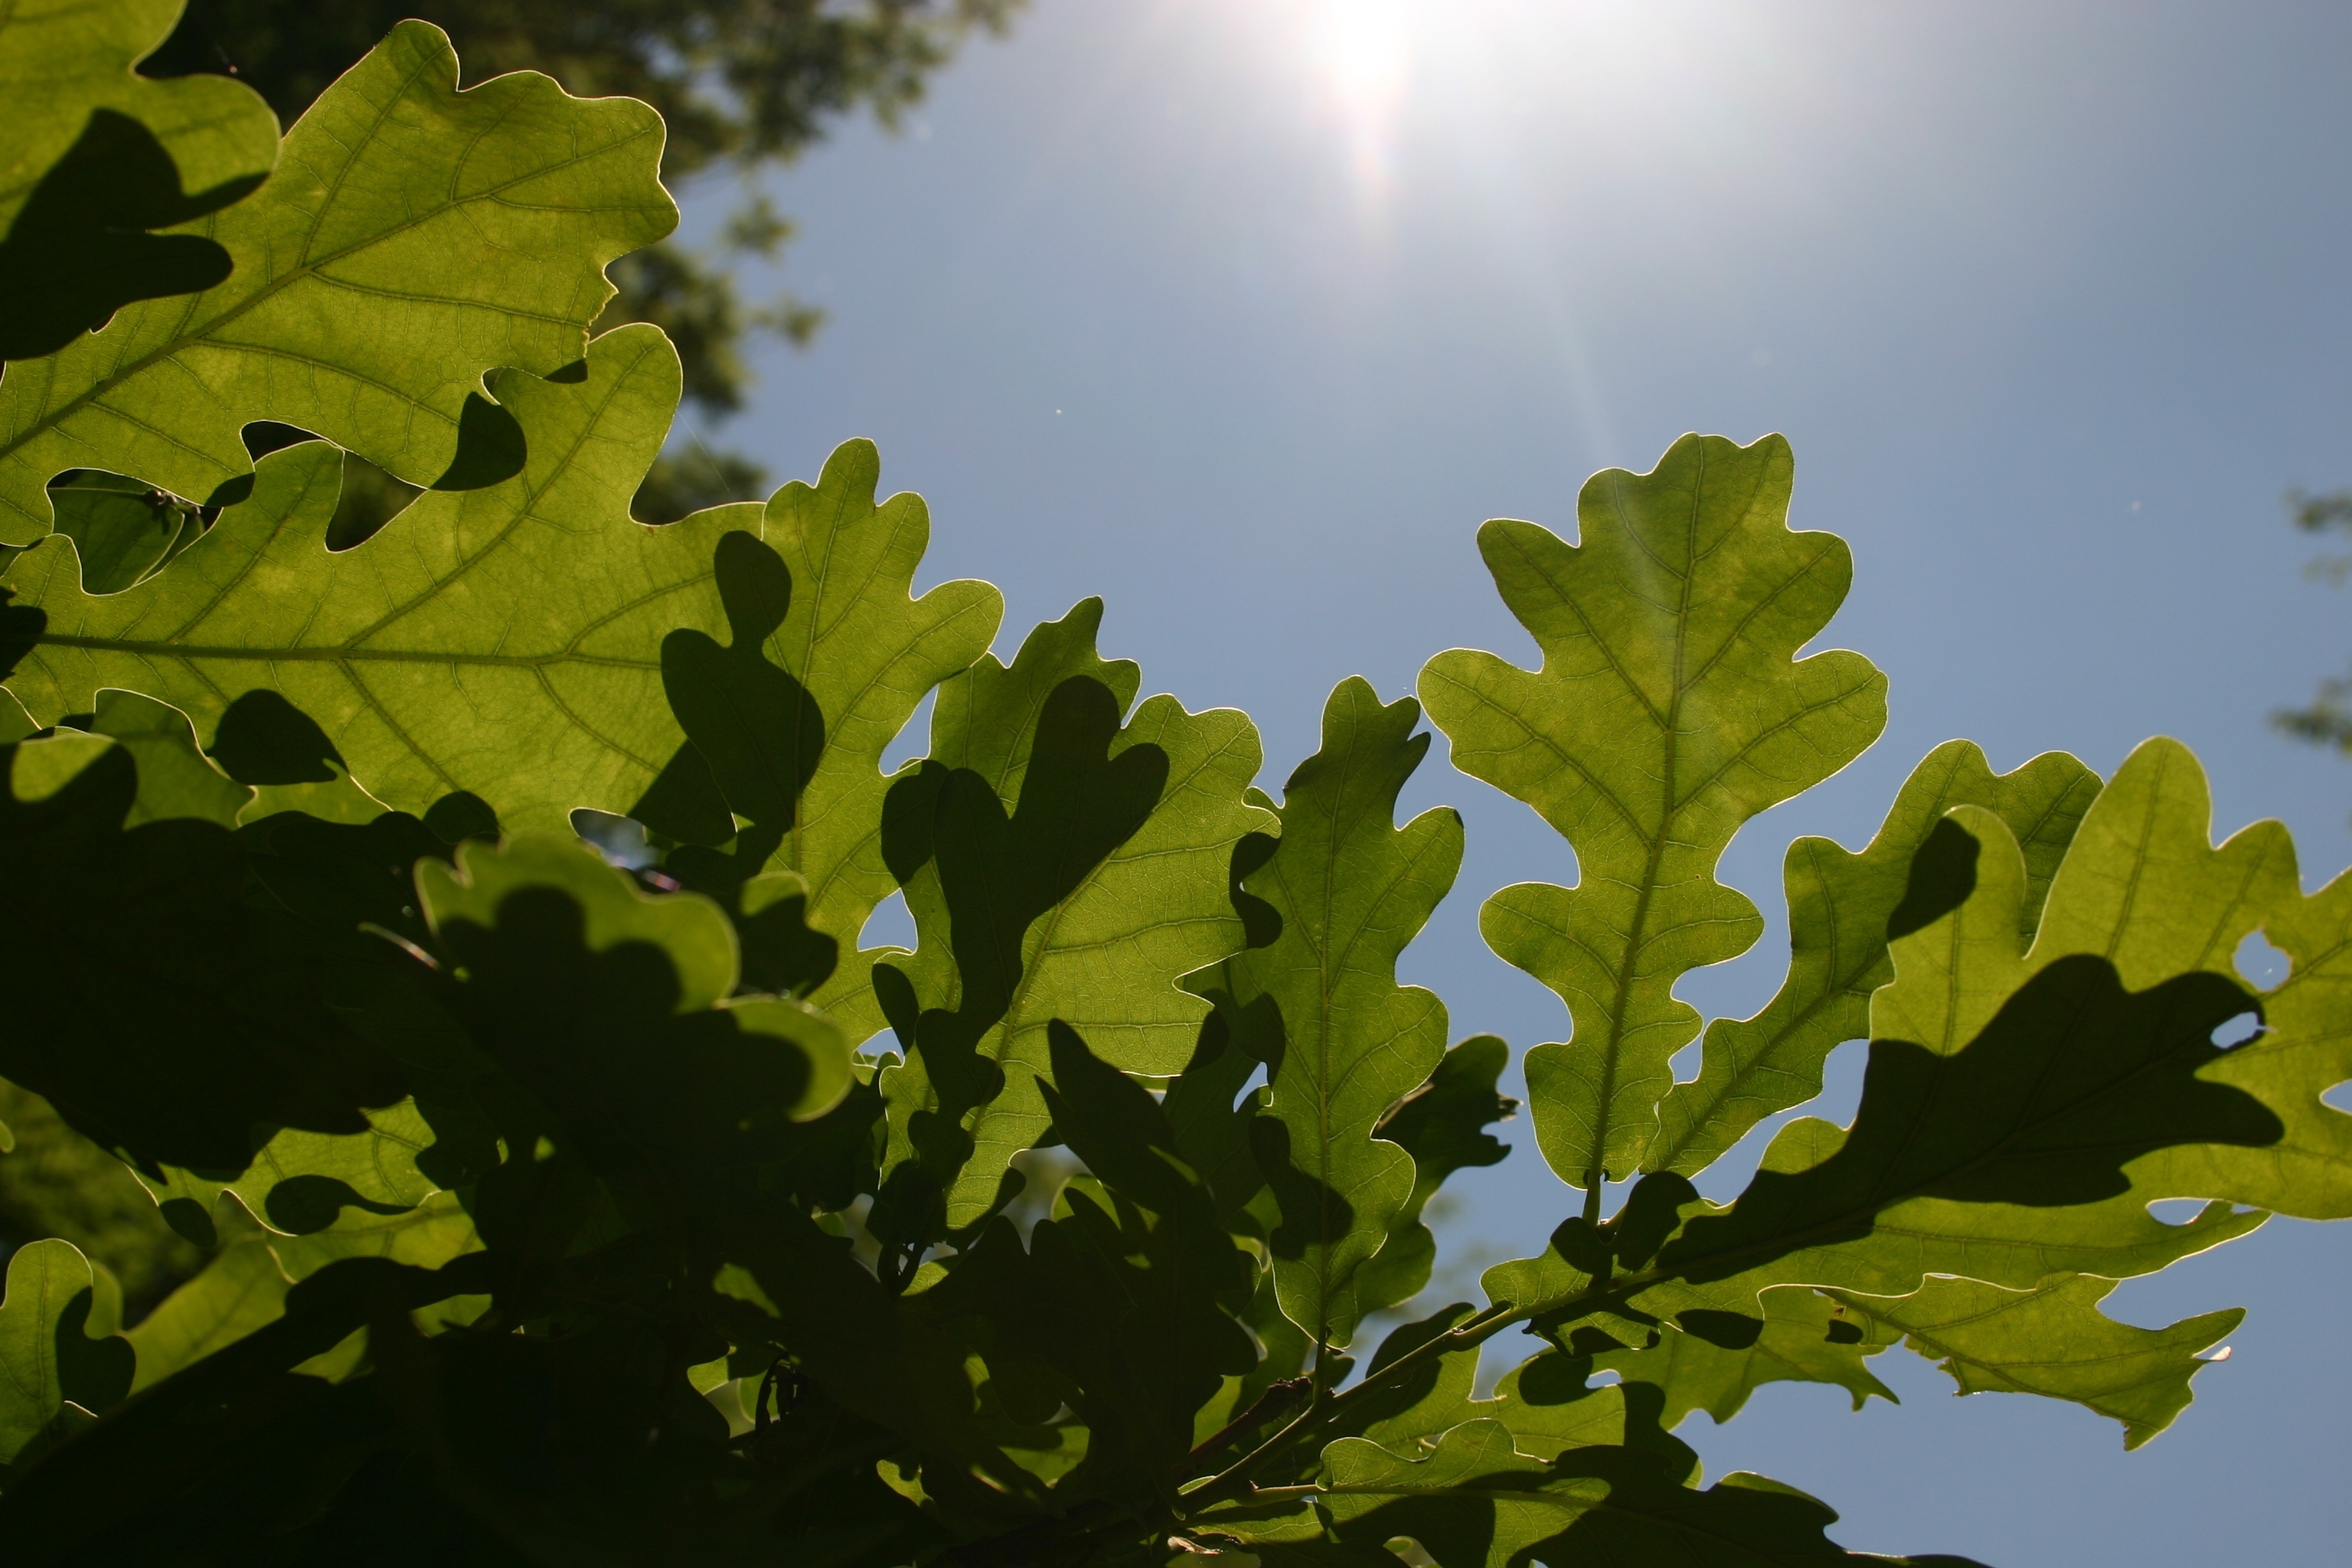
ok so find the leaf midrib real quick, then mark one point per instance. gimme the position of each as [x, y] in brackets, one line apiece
[1655, 855]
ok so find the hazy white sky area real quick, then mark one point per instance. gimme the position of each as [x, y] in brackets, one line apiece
[1245, 313]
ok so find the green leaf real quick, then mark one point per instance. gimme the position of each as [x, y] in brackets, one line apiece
[1211, 1118]
[175, 780]
[412, 238]
[2022, 1110]
[1670, 709]
[1548, 1402]
[1805, 1338]
[176, 1016]
[1840, 908]
[1474, 1502]
[243, 1287]
[1058, 865]
[58, 1343]
[1343, 1041]
[692, 934]
[434, 657]
[301, 1182]
[15, 724]
[1432, 1400]
[1441, 1125]
[610, 1008]
[93, 155]
[252, 1413]
[830, 654]
[698, 957]
[2052, 1341]
[1549, 1407]
[267, 742]
[239, 1290]
[1477, 1502]
[124, 530]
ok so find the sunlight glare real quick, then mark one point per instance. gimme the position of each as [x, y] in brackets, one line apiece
[1360, 53]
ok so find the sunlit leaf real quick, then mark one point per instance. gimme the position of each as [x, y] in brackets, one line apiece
[2022, 1110]
[1142, 1262]
[412, 238]
[1443, 1126]
[829, 653]
[1841, 905]
[1477, 1502]
[2052, 1341]
[1670, 709]
[243, 1287]
[1060, 864]
[93, 155]
[59, 1344]
[1805, 1338]
[1320, 1004]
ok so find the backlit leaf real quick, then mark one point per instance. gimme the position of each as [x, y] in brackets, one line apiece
[1443, 1126]
[413, 238]
[1839, 907]
[58, 1343]
[2022, 1110]
[243, 1287]
[1344, 1041]
[440, 655]
[93, 155]
[303, 1181]
[1146, 1265]
[1805, 1338]
[2052, 1341]
[830, 653]
[1060, 864]
[1477, 1502]
[1670, 709]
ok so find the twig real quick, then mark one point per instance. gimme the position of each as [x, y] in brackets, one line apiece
[1262, 1410]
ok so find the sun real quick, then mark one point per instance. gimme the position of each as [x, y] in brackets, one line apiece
[1359, 56]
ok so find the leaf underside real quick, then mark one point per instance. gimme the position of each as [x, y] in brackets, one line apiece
[552, 1215]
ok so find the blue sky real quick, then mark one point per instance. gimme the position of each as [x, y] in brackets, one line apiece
[1244, 315]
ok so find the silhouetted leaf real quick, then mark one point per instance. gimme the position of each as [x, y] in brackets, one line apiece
[830, 652]
[605, 1003]
[1146, 1265]
[175, 1017]
[2023, 1108]
[1443, 1126]
[243, 1287]
[1800, 1341]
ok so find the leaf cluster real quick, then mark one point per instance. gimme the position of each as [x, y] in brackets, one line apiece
[455, 929]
